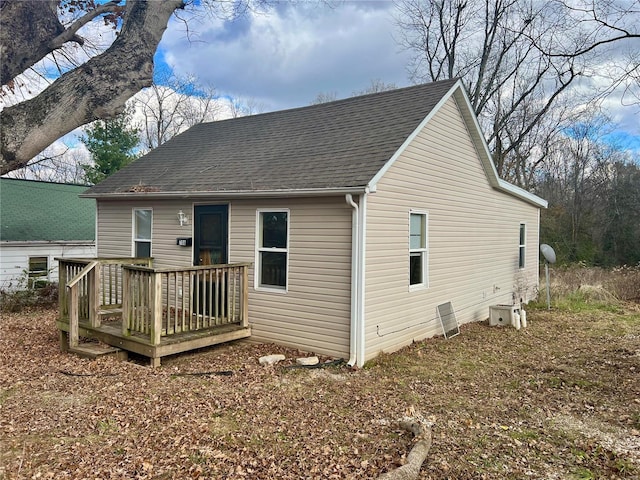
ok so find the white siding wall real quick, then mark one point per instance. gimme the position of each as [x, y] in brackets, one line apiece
[473, 237]
[14, 259]
[314, 313]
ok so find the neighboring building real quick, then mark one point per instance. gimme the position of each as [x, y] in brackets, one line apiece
[361, 216]
[40, 221]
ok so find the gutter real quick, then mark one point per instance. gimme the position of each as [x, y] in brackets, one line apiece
[226, 194]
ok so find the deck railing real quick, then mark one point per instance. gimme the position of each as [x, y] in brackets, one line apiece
[99, 289]
[163, 302]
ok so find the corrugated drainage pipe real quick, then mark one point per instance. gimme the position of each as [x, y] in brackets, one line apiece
[354, 281]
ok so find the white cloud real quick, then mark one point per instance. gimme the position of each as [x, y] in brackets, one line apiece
[286, 57]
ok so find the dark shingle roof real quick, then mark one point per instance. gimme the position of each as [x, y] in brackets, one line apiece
[335, 145]
[42, 211]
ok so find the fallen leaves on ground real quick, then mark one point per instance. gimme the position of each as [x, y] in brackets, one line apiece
[559, 399]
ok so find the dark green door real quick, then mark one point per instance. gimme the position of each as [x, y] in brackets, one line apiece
[211, 223]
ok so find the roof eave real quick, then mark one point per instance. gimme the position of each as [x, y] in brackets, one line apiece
[289, 192]
[521, 193]
[485, 156]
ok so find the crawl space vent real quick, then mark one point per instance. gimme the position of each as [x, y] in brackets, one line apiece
[448, 320]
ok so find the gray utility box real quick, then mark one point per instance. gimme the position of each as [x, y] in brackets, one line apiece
[502, 314]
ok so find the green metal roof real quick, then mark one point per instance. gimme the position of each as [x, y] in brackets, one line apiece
[43, 211]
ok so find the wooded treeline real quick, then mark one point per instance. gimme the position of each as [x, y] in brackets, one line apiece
[593, 190]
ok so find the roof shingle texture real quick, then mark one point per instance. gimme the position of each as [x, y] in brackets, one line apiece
[42, 211]
[335, 145]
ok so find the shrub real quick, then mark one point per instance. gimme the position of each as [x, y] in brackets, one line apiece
[21, 298]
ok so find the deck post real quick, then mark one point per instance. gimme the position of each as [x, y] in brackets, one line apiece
[94, 296]
[62, 290]
[245, 297]
[73, 317]
[126, 307]
[156, 308]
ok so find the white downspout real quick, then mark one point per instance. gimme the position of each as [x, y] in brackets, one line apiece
[360, 348]
[355, 284]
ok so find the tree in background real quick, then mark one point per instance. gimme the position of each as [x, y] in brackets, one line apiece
[375, 86]
[170, 106]
[112, 144]
[519, 60]
[621, 232]
[593, 189]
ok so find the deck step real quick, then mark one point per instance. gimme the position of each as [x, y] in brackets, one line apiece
[96, 350]
[110, 311]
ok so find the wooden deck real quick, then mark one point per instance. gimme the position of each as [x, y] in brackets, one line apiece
[111, 334]
[127, 304]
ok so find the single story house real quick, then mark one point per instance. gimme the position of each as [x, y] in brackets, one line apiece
[40, 221]
[358, 218]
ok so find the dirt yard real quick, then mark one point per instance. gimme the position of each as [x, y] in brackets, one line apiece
[557, 400]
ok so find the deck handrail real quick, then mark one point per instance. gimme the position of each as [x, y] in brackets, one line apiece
[185, 269]
[73, 286]
[161, 302]
[83, 273]
[98, 280]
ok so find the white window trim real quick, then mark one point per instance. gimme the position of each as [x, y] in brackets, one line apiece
[258, 265]
[134, 239]
[425, 251]
[38, 274]
[522, 246]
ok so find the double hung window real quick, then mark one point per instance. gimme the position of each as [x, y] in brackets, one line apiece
[272, 249]
[522, 246]
[418, 250]
[142, 223]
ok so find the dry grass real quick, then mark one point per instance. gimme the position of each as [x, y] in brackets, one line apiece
[559, 399]
[594, 284]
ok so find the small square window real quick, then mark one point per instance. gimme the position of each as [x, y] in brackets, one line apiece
[38, 271]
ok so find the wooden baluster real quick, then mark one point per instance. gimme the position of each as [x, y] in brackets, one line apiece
[245, 297]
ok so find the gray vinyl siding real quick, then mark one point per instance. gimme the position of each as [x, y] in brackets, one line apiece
[115, 230]
[473, 238]
[314, 314]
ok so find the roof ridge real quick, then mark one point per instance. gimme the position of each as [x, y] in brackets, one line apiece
[338, 101]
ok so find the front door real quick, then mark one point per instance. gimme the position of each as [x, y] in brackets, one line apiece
[211, 234]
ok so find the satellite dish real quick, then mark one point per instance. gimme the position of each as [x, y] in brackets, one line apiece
[550, 257]
[548, 253]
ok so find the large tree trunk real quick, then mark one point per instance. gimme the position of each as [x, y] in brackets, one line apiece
[95, 90]
[26, 28]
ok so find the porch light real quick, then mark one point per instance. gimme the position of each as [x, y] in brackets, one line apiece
[182, 218]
